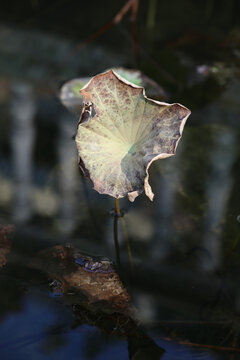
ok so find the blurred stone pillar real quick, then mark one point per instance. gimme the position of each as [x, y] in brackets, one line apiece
[22, 110]
[166, 187]
[218, 189]
[67, 178]
[223, 154]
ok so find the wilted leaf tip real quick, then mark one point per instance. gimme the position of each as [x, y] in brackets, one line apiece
[110, 74]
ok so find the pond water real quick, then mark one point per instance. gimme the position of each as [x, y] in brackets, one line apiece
[61, 293]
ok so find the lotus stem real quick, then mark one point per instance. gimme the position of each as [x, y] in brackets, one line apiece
[117, 208]
[125, 235]
[118, 215]
[115, 231]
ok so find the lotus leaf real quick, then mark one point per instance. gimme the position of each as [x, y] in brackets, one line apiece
[121, 132]
[70, 94]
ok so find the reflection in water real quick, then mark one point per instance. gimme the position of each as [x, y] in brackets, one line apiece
[97, 296]
[92, 289]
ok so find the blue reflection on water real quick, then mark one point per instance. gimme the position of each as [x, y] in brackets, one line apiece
[23, 335]
[27, 335]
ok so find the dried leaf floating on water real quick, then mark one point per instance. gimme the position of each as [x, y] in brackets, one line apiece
[83, 279]
[127, 132]
[93, 288]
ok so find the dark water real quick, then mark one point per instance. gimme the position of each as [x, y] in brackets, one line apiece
[182, 299]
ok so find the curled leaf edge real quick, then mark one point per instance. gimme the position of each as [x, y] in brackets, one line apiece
[146, 188]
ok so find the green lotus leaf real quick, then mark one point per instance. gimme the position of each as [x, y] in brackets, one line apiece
[70, 95]
[121, 132]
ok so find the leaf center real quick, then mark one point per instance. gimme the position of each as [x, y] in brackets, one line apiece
[131, 150]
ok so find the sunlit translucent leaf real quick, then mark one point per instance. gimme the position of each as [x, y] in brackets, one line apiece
[126, 132]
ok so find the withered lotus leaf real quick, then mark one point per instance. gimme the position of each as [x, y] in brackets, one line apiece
[121, 132]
